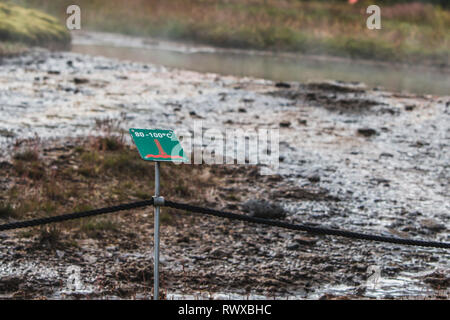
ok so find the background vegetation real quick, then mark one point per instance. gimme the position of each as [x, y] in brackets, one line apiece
[411, 31]
[20, 27]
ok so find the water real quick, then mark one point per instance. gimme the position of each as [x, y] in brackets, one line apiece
[273, 66]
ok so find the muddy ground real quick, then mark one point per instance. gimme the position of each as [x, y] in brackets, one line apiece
[351, 157]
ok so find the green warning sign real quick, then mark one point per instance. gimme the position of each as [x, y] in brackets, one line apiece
[157, 144]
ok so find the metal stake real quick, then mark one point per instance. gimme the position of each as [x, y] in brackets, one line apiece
[156, 237]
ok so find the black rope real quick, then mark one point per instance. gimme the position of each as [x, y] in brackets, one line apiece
[75, 215]
[310, 229]
[228, 215]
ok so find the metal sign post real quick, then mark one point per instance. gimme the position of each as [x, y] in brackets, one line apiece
[157, 145]
[156, 237]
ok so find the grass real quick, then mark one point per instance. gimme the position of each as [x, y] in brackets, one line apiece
[9, 49]
[50, 236]
[410, 32]
[94, 227]
[98, 172]
[6, 210]
[26, 155]
[26, 163]
[21, 27]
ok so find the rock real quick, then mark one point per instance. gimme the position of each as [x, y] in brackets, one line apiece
[242, 110]
[305, 240]
[218, 253]
[274, 178]
[386, 154]
[5, 165]
[199, 257]
[90, 259]
[80, 81]
[183, 239]
[264, 209]
[282, 85]
[124, 290]
[419, 144]
[314, 178]
[367, 132]
[432, 225]
[285, 124]
[223, 96]
[111, 248]
[195, 115]
[292, 246]
[59, 254]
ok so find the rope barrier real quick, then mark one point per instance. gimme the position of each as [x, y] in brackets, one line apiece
[228, 215]
[75, 215]
[310, 229]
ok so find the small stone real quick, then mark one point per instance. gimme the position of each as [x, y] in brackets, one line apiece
[386, 154]
[195, 115]
[264, 209]
[292, 246]
[274, 178]
[90, 259]
[314, 178]
[184, 239]
[218, 253]
[420, 144]
[282, 85]
[5, 165]
[80, 80]
[305, 240]
[432, 225]
[367, 132]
